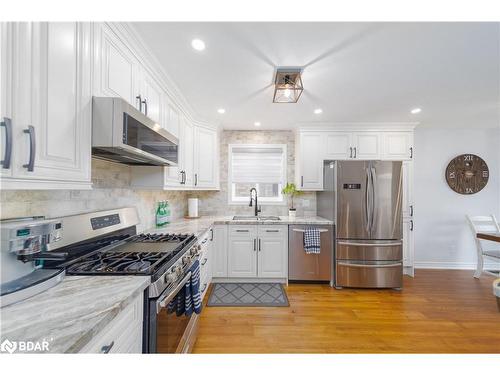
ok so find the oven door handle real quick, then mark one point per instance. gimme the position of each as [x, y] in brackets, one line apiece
[163, 300]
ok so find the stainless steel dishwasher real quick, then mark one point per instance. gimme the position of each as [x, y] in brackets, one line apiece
[310, 267]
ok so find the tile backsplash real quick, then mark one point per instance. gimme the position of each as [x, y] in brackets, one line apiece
[111, 190]
[216, 202]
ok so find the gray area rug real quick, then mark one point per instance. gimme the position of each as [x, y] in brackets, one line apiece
[248, 294]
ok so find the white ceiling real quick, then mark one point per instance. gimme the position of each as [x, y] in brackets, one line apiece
[355, 72]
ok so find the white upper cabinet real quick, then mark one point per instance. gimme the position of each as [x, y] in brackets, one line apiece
[309, 174]
[115, 67]
[205, 158]
[187, 152]
[397, 146]
[338, 146]
[152, 97]
[6, 92]
[366, 146]
[51, 106]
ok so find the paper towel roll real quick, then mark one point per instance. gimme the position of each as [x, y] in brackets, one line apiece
[193, 207]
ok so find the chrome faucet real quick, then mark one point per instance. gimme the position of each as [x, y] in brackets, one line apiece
[257, 208]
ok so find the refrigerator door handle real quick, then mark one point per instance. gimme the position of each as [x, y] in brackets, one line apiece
[367, 200]
[374, 198]
[370, 244]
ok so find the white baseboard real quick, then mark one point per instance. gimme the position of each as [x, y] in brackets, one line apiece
[456, 265]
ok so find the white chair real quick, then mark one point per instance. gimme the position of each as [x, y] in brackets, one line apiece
[484, 224]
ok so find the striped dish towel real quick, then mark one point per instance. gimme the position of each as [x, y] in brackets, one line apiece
[188, 300]
[312, 240]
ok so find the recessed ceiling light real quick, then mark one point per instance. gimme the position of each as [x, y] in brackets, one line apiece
[317, 111]
[414, 111]
[256, 123]
[221, 111]
[198, 44]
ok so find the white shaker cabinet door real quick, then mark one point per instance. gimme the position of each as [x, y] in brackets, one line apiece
[6, 93]
[187, 151]
[205, 158]
[54, 101]
[272, 251]
[242, 251]
[152, 98]
[366, 145]
[310, 176]
[338, 146]
[397, 146]
[116, 68]
[408, 246]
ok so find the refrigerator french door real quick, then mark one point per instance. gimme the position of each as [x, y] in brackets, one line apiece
[369, 247]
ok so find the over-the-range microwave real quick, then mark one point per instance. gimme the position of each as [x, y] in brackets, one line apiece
[123, 134]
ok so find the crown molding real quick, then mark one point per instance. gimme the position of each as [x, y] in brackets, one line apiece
[155, 68]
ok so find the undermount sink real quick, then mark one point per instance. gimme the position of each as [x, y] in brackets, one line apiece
[245, 218]
[255, 218]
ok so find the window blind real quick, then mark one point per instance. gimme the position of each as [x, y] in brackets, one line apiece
[257, 165]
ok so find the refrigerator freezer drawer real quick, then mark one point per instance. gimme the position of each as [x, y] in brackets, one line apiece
[369, 274]
[309, 267]
[369, 250]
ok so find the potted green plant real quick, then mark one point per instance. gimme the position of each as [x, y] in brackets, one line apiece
[291, 191]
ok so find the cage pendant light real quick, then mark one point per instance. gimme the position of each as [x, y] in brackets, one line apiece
[287, 86]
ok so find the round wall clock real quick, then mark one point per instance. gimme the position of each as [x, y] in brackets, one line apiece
[467, 174]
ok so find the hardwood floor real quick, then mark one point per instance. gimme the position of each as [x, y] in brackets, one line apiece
[439, 311]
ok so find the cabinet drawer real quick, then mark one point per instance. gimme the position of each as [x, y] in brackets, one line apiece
[242, 230]
[272, 230]
[369, 274]
[124, 332]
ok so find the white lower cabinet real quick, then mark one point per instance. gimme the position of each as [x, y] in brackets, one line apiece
[272, 251]
[242, 251]
[257, 251]
[219, 251]
[123, 334]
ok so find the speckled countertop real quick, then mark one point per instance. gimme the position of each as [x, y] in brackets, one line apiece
[70, 314]
[199, 226]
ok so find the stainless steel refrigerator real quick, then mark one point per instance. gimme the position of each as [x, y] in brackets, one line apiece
[364, 199]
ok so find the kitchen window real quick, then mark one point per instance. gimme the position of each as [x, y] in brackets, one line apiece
[262, 167]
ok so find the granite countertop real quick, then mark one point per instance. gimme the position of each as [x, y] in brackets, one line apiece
[199, 226]
[71, 313]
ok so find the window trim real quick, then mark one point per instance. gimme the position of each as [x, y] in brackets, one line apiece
[262, 201]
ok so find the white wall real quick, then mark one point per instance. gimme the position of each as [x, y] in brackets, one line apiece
[442, 237]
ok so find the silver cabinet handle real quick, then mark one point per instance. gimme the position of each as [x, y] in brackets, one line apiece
[411, 210]
[31, 163]
[211, 234]
[350, 152]
[259, 245]
[411, 152]
[204, 261]
[361, 244]
[145, 102]
[7, 123]
[358, 265]
[254, 244]
[195, 179]
[106, 348]
[204, 241]
[411, 225]
[354, 152]
[272, 230]
[303, 230]
[204, 287]
[242, 230]
[139, 99]
[302, 181]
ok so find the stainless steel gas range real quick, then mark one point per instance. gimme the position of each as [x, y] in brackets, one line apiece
[106, 243]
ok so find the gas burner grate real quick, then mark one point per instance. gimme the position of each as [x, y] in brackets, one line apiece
[159, 237]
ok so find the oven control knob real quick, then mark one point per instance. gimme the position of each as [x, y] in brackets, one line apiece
[170, 277]
[186, 259]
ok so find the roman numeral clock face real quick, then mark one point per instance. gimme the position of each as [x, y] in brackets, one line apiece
[467, 174]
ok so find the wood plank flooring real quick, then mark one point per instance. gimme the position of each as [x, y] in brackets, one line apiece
[439, 311]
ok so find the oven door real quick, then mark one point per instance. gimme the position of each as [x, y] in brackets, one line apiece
[170, 333]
